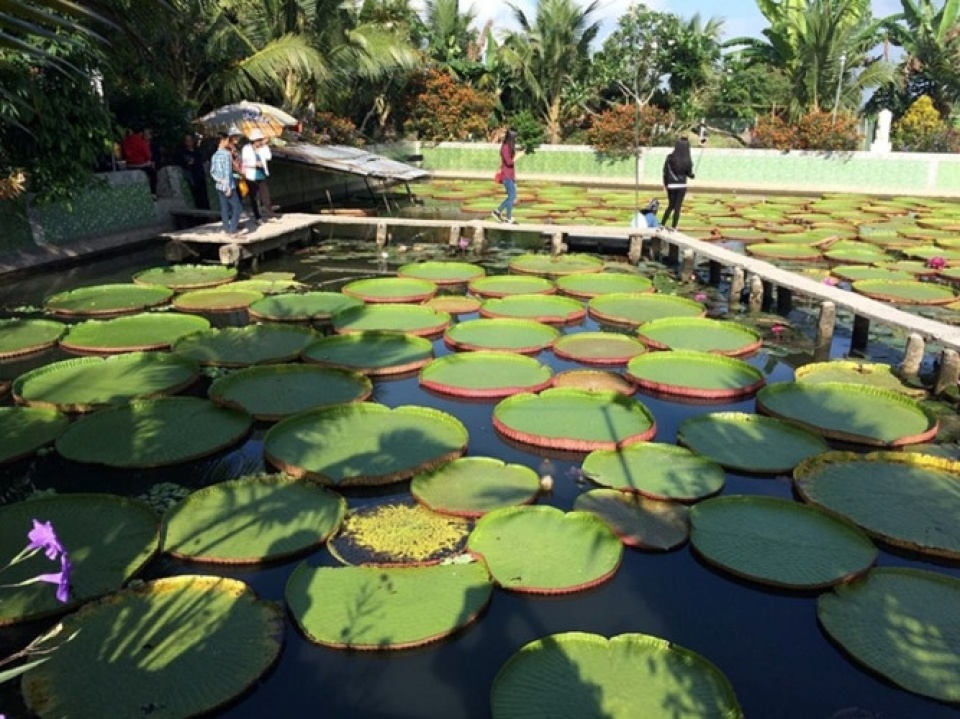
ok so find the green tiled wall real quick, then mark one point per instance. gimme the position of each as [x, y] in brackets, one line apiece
[15, 234]
[948, 177]
[101, 209]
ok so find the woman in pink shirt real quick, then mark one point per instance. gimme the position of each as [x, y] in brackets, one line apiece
[508, 177]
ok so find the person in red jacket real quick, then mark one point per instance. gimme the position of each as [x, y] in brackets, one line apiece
[508, 177]
[136, 151]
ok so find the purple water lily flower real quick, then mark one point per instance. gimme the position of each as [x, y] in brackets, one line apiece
[61, 579]
[937, 263]
[43, 537]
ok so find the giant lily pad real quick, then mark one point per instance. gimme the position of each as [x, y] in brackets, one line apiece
[903, 624]
[908, 500]
[23, 336]
[850, 412]
[549, 266]
[700, 334]
[632, 310]
[542, 550]
[639, 521]
[779, 542]
[89, 383]
[906, 292]
[749, 442]
[245, 346]
[24, 430]
[417, 320]
[107, 300]
[402, 608]
[576, 420]
[153, 433]
[218, 299]
[594, 380]
[524, 336]
[394, 533]
[625, 677]
[390, 289]
[507, 285]
[473, 486]
[273, 392]
[485, 374]
[304, 307]
[364, 444]
[872, 374]
[186, 277]
[442, 273]
[142, 647]
[549, 309]
[660, 471]
[592, 284]
[598, 348]
[855, 273]
[252, 519]
[795, 251]
[108, 540]
[134, 333]
[373, 353]
[695, 374]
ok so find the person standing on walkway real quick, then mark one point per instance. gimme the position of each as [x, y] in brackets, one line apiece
[221, 170]
[253, 170]
[676, 169]
[508, 177]
[191, 160]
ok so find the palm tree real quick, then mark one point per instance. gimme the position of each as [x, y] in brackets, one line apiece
[694, 60]
[449, 36]
[549, 54]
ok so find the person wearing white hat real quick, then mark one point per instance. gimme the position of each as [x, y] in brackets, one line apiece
[253, 171]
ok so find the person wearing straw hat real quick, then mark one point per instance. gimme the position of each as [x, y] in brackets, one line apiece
[253, 171]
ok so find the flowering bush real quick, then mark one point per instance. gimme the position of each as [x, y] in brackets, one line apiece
[921, 129]
[817, 130]
[328, 128]
[449, 110]
[614, 131]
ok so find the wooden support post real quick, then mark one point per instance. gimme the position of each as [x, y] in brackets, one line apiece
[826, 323]
[382, 235]
[716, 269]
[737, 284]
[755, 303]
[230, 254]
[784, 301]
[913, 356]
[454, 240]
[656, 246]
[686, 265]
[861, 335]
[557, 245]
[479, 240]
[767, 296]
[673, 254]
[948, 373]
[635, 252]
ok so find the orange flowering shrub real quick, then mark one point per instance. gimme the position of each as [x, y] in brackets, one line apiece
[817, 130]
[614, 131]
[449, 110]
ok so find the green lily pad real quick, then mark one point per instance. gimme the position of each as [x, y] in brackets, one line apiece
[89, 383]
[700, 334]
[695, 374]
[153, 433]
[418, 320]
[575, 420]
[107, 300]
[133, 333]
[107, 538]
[549, 309]
[273, 392]
[862, 255]
[598, 348]
[267, 286]
[639, 521]
[850, 412]
[24, 430]
[140, 648]
[585, 286]
[549, 266]
[748, 442]
[402, 608]
[906, 291]
[394, 533]
[316, 306]
[485, 374]
[473, 486]
[390, 289]
[523, 336]
[908, 500]
[22, 336]
[251, 520]
[442, 273]
[454, 304]
[659, 471]
[218, 299]
[594, 380]
[855, 273]
[952, 256]
[542, 550]
[901, 623]
[625, 677]
[779, 542]
[373, 353]
[507, 285]
[872, 374]
[633, 310]
[798, 252]
[365, 443]
[186, 277]
[245, 346]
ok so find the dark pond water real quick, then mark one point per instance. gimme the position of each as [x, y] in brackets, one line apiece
[768, 643]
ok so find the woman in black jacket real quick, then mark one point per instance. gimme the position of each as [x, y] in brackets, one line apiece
[676, 169]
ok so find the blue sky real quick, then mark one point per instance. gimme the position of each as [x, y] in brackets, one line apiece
[742, 16]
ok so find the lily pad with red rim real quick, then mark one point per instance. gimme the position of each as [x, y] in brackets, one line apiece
[442, 273]
[508, 335]
[507, 285]
[245, 346]
[594, 380]
[473, 486]
[306, 307]
[364, 443]
[658, 471]
[695, 374]
[855, 273]
[871, 374]
[639, 521]
[797, 252]
[635, 309]
[485, 374]
[549, 309]
[587, 285]
[218, 299]
[700, 334]
[372, 353]
[454, 304]
[24, 430]
[390, 290]
[20, 336]
[598, 348]
[549, 266]
[186, 277]
[575, 420]
[542, 550]
[908, 292]
[418, 320]
[107, 300]
[133, 333]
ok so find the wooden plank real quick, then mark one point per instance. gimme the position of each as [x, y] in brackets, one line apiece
[213, 233]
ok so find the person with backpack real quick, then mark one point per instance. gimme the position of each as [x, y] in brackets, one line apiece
[676, 169]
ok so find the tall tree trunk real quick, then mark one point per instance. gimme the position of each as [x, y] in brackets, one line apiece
[553, 121]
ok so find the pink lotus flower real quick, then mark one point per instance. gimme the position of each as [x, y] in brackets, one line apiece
[777, 330]
[831, 281]
[700, 297]
[937, 263]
